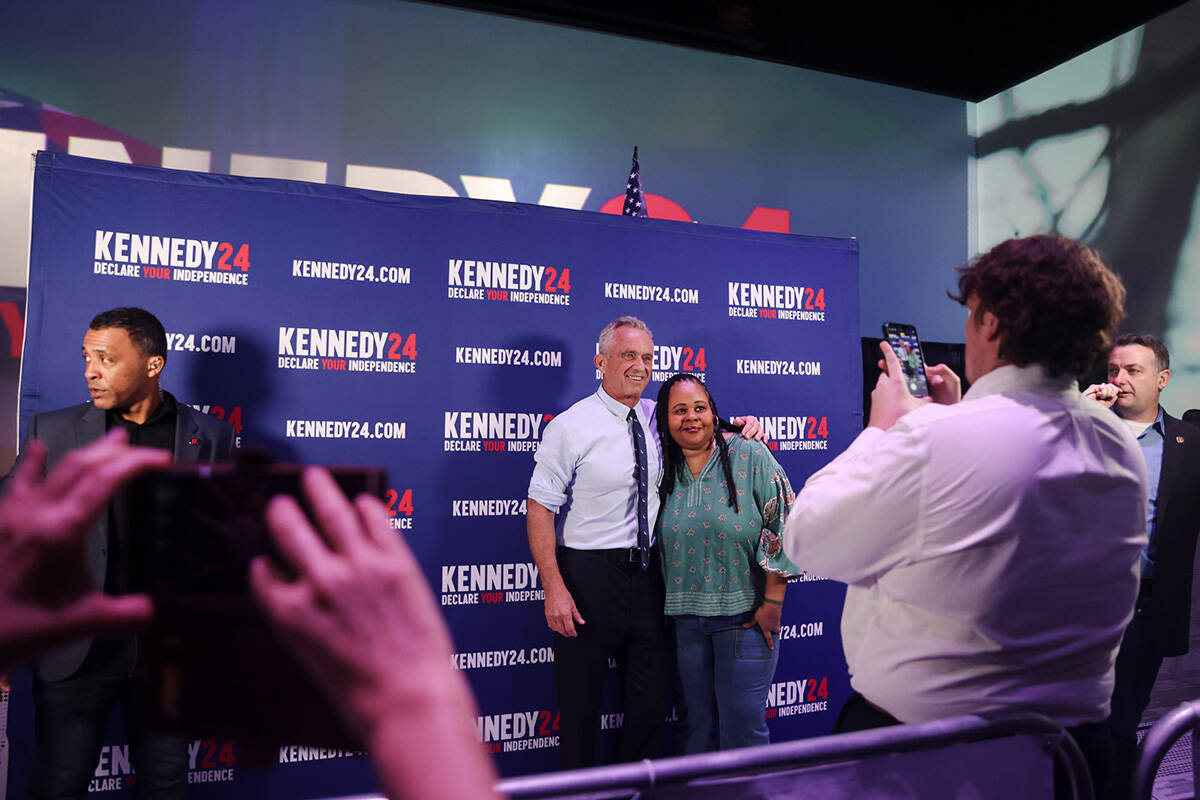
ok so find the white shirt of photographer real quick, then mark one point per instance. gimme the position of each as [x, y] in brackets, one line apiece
[990, 547]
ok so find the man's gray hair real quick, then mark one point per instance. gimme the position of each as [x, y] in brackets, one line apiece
[1162, 356]
[610, 330]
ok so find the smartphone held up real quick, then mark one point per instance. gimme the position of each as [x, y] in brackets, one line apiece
[904, 343]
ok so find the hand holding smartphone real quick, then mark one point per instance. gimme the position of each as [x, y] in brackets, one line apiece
[907, 347]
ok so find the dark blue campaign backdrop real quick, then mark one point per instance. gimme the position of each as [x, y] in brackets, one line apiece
[436, 337]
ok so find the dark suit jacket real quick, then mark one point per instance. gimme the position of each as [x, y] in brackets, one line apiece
[68, 429]
[1176, 523]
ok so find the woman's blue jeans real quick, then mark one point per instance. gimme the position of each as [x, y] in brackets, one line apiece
[725, 672]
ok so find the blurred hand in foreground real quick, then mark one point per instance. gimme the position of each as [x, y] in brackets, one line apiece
[361, 618]
[46, 595]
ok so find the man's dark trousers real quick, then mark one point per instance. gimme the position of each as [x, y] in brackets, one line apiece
[1138, 662]
[69, 726]
[623, 608]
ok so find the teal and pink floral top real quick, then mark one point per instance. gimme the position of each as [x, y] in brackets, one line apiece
[715, 559]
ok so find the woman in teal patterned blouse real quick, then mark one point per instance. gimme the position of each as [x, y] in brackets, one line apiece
[723, 565]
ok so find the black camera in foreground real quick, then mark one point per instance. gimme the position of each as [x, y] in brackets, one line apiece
[210, 665]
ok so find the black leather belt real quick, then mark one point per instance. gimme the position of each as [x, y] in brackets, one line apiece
[619, 555]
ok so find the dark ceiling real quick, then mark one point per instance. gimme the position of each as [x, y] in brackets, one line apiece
[968, 51]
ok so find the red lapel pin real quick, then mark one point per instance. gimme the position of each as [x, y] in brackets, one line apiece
[197, 441]
[1179, 439]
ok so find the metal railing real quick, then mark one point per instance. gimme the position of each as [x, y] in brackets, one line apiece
[628, 780]
[1157, 741]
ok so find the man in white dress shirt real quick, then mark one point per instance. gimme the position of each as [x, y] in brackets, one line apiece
[600, 601]
[593, 500]
[990, 546]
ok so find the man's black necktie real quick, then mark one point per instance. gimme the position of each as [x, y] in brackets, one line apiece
[639, 477]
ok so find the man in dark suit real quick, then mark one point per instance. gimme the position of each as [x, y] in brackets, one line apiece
[1139, 368]
[76, 686]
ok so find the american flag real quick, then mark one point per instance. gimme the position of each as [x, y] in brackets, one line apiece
[635, 201]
